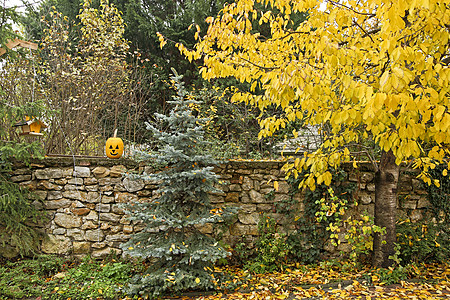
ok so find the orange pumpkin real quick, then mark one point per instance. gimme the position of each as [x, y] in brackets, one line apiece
[114, 146]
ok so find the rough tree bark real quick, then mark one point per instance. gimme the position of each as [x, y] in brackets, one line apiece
[386, 181]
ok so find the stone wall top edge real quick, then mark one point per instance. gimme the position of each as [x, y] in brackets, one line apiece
[79, 161]
[67, 161]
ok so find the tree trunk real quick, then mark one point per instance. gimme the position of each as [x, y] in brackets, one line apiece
[386, 179]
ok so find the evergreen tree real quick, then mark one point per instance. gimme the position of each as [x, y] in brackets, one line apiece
[182, 257]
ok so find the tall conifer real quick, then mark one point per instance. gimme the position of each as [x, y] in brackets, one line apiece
[182, 257]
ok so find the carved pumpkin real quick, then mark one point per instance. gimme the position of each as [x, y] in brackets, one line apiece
[114, 146]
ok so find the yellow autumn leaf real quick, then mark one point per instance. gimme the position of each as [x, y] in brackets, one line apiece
[275, 185]
[197, 280]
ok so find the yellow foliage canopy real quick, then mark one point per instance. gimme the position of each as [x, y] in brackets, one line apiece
[366, 69]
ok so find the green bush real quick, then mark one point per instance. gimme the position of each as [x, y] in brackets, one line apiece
[423, 242]
[16, 214]
[271, 248]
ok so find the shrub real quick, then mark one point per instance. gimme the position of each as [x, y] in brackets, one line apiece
[271, 248]
[423, 242]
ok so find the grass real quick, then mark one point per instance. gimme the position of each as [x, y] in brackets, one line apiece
[50, 277]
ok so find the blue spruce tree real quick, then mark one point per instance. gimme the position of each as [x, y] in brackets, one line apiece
[182, 258]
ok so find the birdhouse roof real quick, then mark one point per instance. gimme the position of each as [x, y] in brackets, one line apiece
[29, 122]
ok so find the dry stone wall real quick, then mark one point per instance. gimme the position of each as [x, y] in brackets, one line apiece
[82, 200]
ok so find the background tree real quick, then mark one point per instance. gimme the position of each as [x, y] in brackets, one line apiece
[89, 82]
[181, 256]
[365, 70]
[19, 97]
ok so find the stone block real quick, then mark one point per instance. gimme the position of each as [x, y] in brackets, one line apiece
[247, 208]
[216, 199]
[370, 187]
[20, 178]
[238, 229]
[41, 195]
[75, 195]
[125, 197]
[104, 208]
[76, 234]
[110, 217]
[96, 235]
[106, 188]
[67, 172]
[93, 216]
[283, 187]
[124, 220]
[90, 181]
[117, 209]
[409, 204]
[47, 185]
[93, 197]
[59, 231]
[56, 204]
[405, 184]
[245, 198]
[243, 171]
[103, 253]
[247, 184]
[232, 197]
[234, 187]
[76, 181]
[369, 209]
[107, 199]
[115, 229]
[104, 181]
[278, 198]
[99, 245]
[127, 229]
[119, 187]
[256, 197]
[133, 185]
[81, 247]
[89, 225]
[22, 171]
[67, 221]
[423, 203]
[248, 218]
[416, 215]
[48, 173]
[31, 185]
[206, 228]
[56, 245]
[61, 181]
[366, 177]
[366, 198]
[72, 187]
[100, 172]
[37, 204]
[81, 172]
[54, 195]
[117, 238]
[117, 171]
[91, 188]
[80, 211]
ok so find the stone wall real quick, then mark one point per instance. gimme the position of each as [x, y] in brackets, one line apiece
[82, 199]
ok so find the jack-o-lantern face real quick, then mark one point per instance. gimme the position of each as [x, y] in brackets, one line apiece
[114, 147]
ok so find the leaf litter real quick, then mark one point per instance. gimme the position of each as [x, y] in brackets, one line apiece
[427, 281]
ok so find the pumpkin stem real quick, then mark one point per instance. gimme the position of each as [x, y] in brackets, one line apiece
[115, 133]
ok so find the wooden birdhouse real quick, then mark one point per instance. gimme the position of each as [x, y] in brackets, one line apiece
[31, 126]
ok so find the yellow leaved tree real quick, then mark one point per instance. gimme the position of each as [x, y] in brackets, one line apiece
[360, 70]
